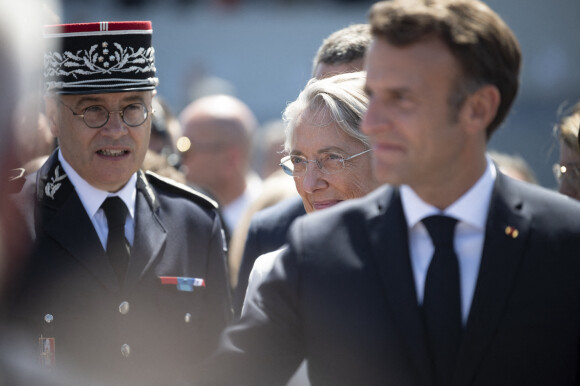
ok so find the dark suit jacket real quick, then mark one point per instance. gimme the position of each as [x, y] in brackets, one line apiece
[177, 233]
[343, 297]
[266, 233]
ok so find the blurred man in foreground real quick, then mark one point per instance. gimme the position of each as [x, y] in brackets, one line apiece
[455, 274]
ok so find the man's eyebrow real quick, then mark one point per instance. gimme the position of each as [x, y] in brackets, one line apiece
[133, 98]
[97, 100]
[87, 99]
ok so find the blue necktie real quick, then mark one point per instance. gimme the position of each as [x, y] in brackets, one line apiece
[442, 299]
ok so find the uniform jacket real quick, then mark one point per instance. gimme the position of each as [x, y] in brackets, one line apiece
[343, 296]
[143, 332]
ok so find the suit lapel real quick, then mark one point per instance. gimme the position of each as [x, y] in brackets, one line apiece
[389, 239]
[150, 234]
[63, 217]
[506, 231]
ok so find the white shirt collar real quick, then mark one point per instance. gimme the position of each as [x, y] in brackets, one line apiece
[91, 197]
[471, 208]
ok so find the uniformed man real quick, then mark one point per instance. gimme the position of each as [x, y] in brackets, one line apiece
[127, 280]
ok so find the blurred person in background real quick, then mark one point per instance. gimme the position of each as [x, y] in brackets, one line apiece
[23, 126]
[275, 189]
[162, 157]
[216, 152]
[567, 170]
[21, 66]
[514, 166]
[268, 145]
[35, 144]
[165, 130]
[341, 51]
[159, 164]
[126, 280]
[34, 139]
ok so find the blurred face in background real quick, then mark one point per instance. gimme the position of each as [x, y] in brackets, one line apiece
[567, 171]
[207, 160]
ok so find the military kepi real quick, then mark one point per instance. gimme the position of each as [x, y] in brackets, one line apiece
[103, 57]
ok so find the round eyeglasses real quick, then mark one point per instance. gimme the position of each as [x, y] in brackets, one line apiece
[97, 116]
[328, 163]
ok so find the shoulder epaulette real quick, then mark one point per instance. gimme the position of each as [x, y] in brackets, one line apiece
[181, 189]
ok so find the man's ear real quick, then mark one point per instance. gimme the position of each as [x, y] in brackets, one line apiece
[51, 110]
[480, 108]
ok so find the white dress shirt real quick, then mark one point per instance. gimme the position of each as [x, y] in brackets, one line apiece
[92, 199]
[471, 211]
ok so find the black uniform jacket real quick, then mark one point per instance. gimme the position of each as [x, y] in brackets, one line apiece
[343, 296]
[143, 332]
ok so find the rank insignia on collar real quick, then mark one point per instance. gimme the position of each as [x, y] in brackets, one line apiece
[183, 283]
[52, 187]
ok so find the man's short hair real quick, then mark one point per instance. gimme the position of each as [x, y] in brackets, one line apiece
[484, 46]
[344, 46]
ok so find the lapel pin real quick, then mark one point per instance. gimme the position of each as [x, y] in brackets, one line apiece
[511, 231]
[183, 283]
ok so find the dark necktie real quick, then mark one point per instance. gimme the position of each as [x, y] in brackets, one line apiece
[442, 300]
[118, 248]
